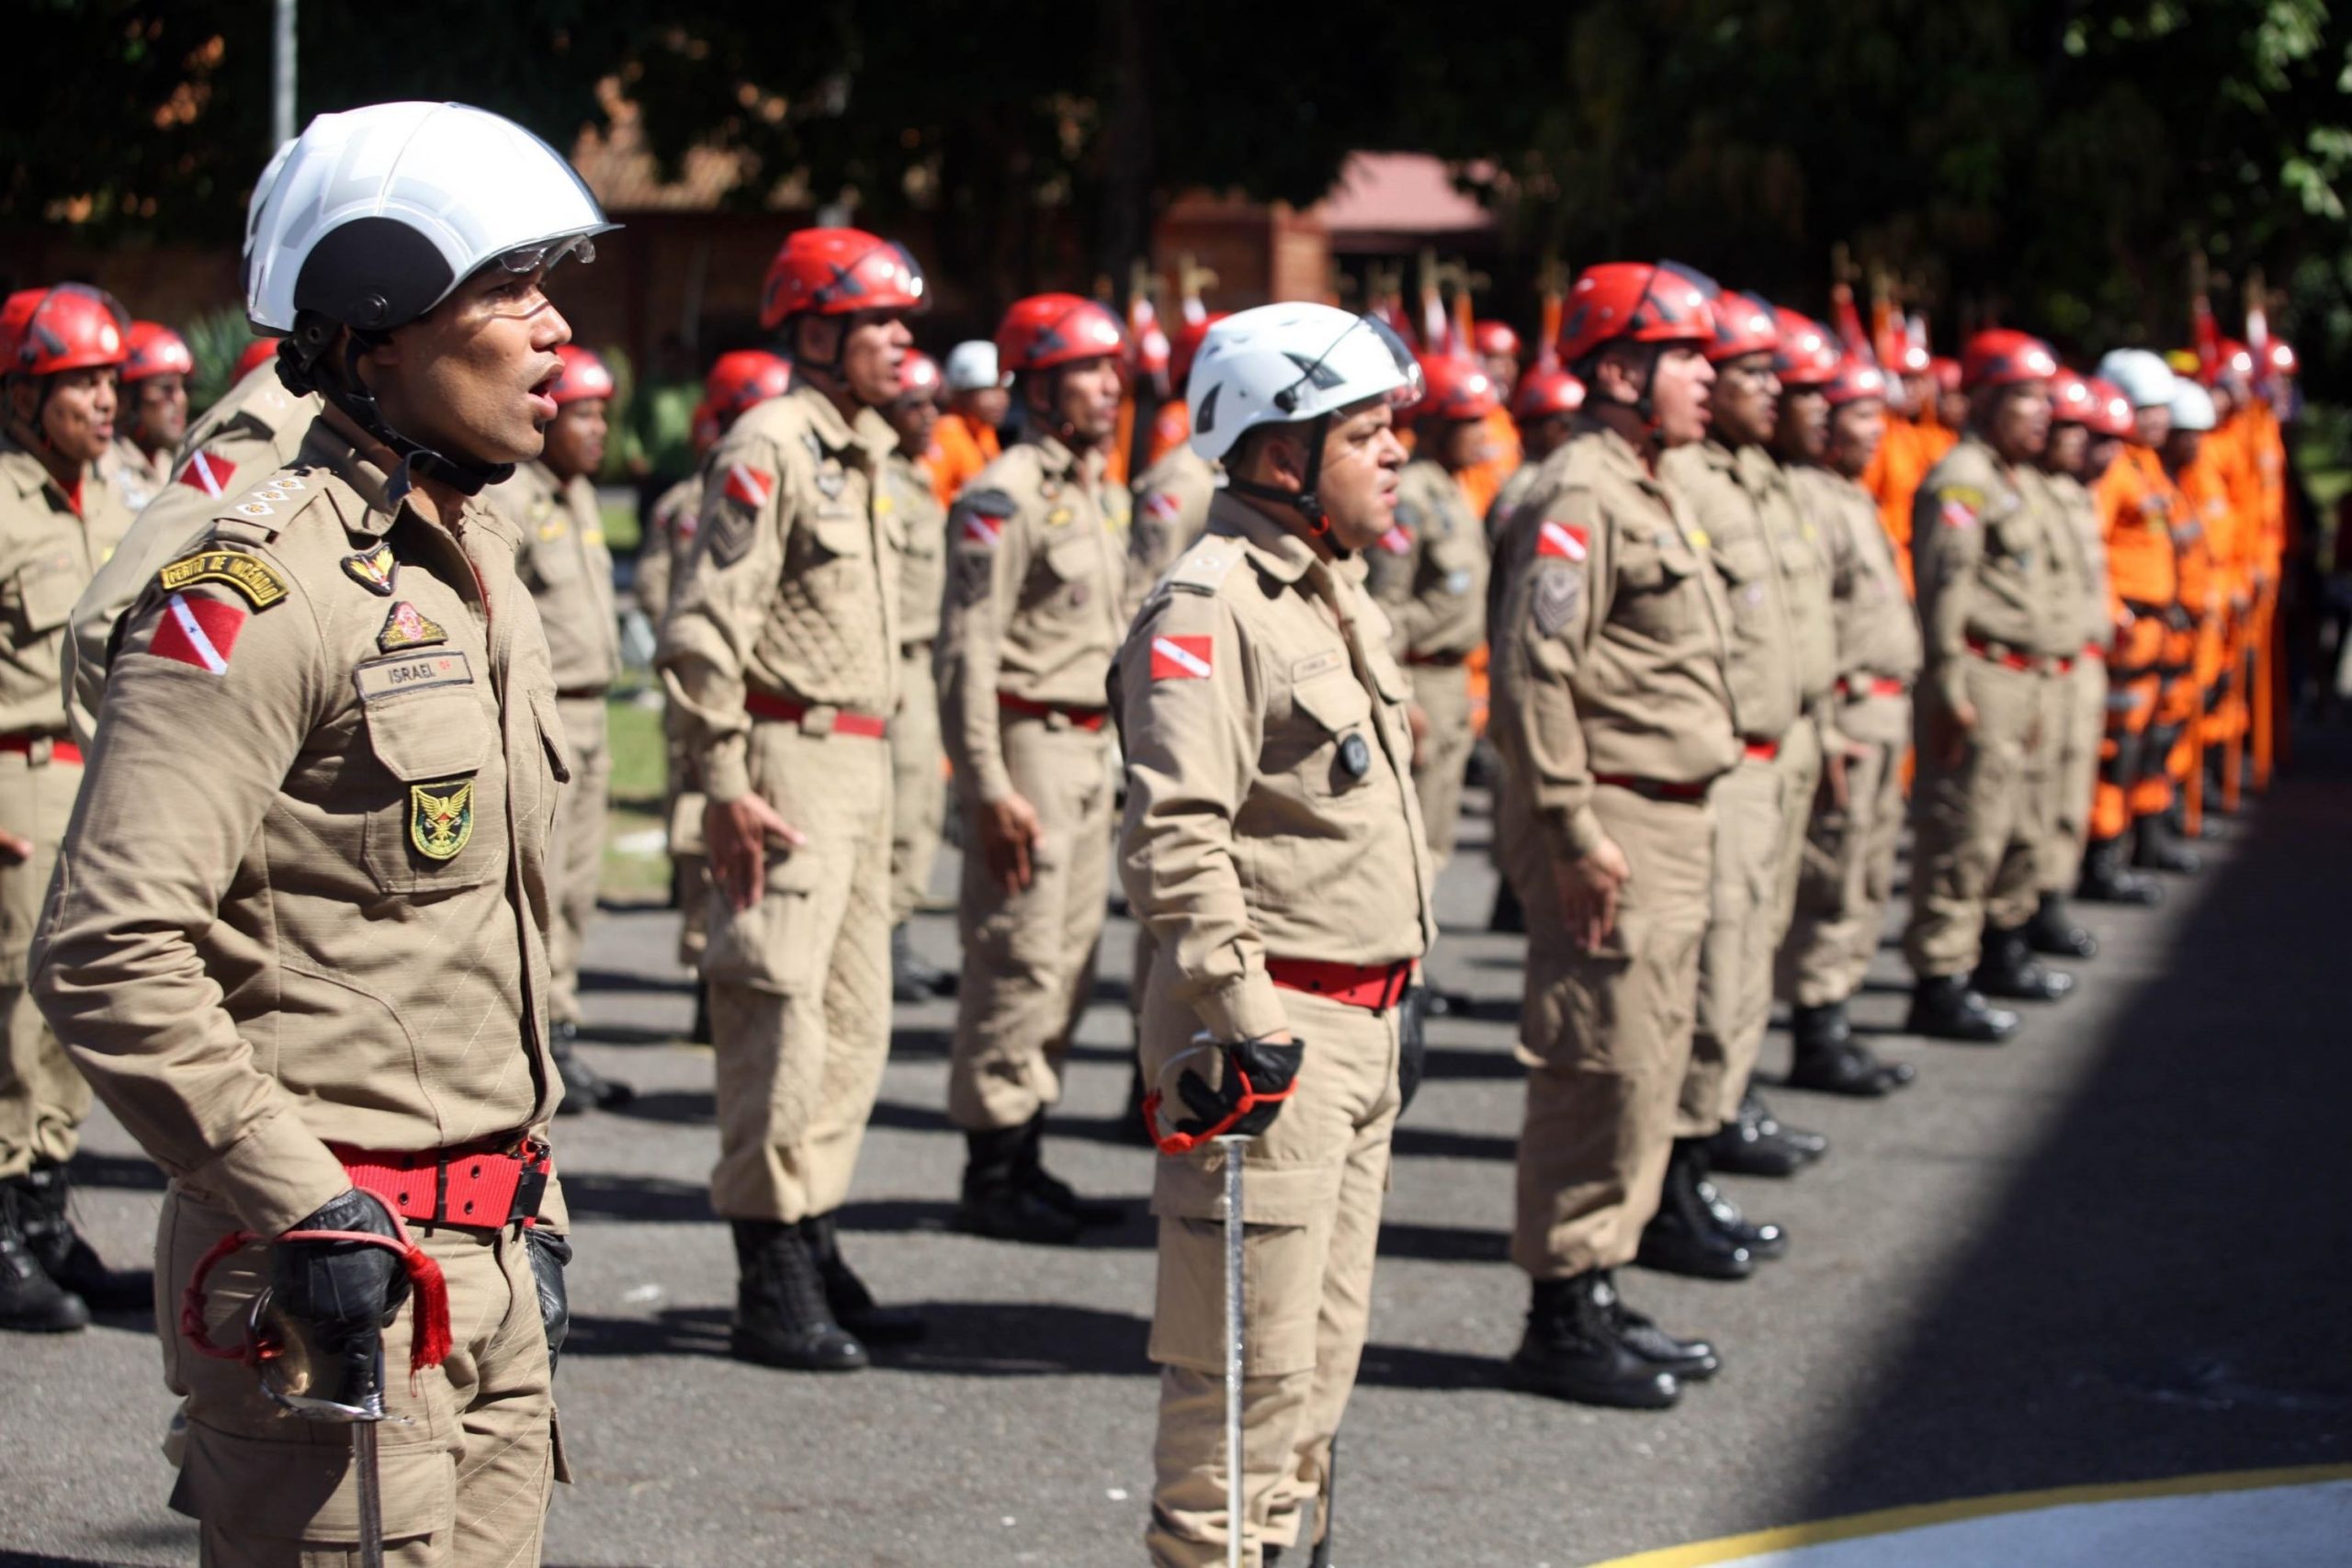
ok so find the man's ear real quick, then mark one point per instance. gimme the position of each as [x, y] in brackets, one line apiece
[817, 340]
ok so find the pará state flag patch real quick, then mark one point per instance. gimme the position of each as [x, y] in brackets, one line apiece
[199, 632]
[1182, 657]
[1563, 541]
[1395, 541]
[749, 485]
[208, 473]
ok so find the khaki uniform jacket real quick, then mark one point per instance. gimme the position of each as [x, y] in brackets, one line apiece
[1877, 630]
[1513, 495]
[1724, 497]
[1270, 795]
[136, 478]
[922, 562]
[254, 431]
[48, 555]
[1171, 511]
[1610, 657]
[1989, 564]
[1429, 571]
[565, 565]
[793, 587]
[302, 900]
[2088, 561]
[668, 540]
[1036, 598]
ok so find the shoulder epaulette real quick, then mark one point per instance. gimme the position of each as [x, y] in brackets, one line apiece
[1204, 568]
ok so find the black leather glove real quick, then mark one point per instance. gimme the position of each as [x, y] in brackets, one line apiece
[340, 1294]
[1412, 1044]
[550, 1255]
[1258, 1077]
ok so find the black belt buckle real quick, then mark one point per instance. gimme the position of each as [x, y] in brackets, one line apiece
[528, 1190]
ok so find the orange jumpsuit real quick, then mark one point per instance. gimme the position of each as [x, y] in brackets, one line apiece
[2136, 503]
[1483, 479]
[1910, 448]
[2202, 562]
[1171, 428]
[966, 447]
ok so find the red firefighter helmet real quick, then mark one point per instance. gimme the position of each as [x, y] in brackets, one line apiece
[1744, 324]
[153, 349]
[918, 376]
[2002, 356]
[2278, 357]
[1912, 360]
[66, 326]
[2110, 410]
[2071, 401]
[583, 376]
[1455, 389]
[1854, 381]
[831, 272]
[1495, 337]
[256, 355]
[1187, 343]
[1149, 353]
[1946, 371]
[1808, 354]
[1046, 330]
[1639, 302]
[2234, 362]
[741, 377]
[1544, 393]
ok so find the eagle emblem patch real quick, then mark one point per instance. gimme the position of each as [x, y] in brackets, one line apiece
[441, 818]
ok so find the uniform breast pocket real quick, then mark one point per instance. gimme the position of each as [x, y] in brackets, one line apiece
[1742, 563]
[431, 828]
[554, 557]
[1456, 566]
[1334, 743]
[535, 799]
[1656, 594]
[41, 594]
[1065, 567]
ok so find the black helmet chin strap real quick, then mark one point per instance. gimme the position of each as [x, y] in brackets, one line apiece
[296, 364]
[1303, 501]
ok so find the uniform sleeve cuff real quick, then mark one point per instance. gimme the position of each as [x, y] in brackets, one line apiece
[1574, 834]
[276, 1176]
[1245, 1008]
[725, 774]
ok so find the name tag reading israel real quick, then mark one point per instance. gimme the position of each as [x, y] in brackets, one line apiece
[389, 677]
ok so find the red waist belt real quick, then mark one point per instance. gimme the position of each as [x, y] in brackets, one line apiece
[1654, 789]
[1443, 661]
[59, 751]
[1087, 720]
[1373, 987]
[2007, 658]
[759, 704]
[1876, 686]
[475, 1192]
[2093, 650]
[1762, 751]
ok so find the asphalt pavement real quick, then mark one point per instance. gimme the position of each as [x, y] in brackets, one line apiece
[2116, 1249]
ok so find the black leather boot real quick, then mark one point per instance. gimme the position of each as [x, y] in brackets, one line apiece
[583, 1086]
[2006, 969]
[1573, 1349]
[997, 1203]
[913, 978]
[847, 1298]
[30, 1301]
[2052, 933]
[1682, 1237]
[66, 1256]
[1507, 917]
[781, 1318]
[1691, 1360]
[2156, 848]
[1943, 1007]
[1054, 1192]
[1829, 1060]
[2107, 880]
[1755, 1143]
[1765, 1241]
[1808, 1145]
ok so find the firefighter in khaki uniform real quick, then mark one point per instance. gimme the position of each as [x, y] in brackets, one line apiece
[59, 347]
[1171, 497]
[1273, 845]
[1614, 714]
[1036, 604]
[780, 659]
[315, 989]
[1857, 819]
[1428, 573]
[552, 503]
[152, 417]
[918, 786]
[1998, 614]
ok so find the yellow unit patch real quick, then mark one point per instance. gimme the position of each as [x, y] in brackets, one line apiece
[441, 818]
[258, 583]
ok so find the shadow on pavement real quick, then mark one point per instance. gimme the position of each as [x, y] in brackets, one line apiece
[2161, 1290]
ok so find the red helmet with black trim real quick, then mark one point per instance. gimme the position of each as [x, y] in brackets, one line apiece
[1046, 330]
[2071, 401]
[918, 376]
[1544, 393]
[153, 349]
[833, 272]
[1946, 371]
[1744, 324]
[1636, 303]
[2002, 356]
[1187, 343]
[1455, 389]
[741, 377]
[584, 376]
[1495, 337]
[66, 326]
[2110, 410]
[1854, 381]
[1807, 354]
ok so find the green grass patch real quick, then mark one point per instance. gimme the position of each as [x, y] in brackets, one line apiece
[621, 534]
[636, 867]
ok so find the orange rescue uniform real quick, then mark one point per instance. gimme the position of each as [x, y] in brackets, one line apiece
[965, 447]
